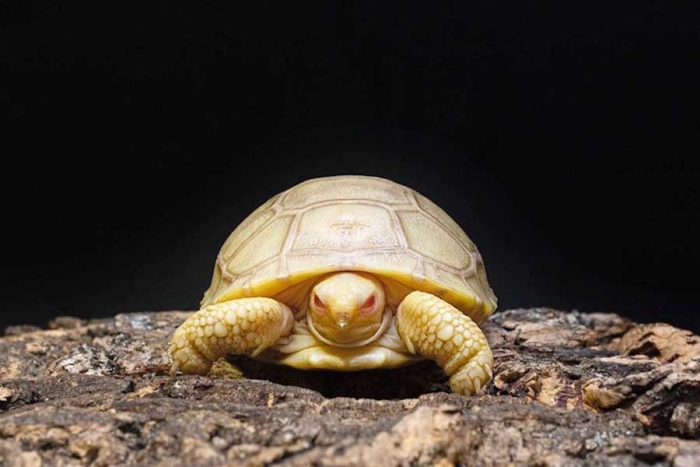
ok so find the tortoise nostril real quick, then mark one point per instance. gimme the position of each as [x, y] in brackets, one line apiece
[342, 320]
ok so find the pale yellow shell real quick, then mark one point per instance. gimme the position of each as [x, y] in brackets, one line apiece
[351, 223]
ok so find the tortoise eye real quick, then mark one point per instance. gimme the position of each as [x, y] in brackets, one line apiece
[369, 303]
[319, 303]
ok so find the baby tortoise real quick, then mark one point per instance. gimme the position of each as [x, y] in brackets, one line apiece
[345, 273]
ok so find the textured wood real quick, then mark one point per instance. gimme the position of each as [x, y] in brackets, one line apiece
[568, 389]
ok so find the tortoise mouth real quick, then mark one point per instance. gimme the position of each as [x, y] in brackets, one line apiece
[383, 326]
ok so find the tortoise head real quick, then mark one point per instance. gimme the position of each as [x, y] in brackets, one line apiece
[347, 309]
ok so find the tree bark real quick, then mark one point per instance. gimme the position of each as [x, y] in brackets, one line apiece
[569, 389]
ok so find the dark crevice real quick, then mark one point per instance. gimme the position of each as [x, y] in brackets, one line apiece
[406, 382]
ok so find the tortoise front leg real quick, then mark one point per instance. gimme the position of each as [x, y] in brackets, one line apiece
[245, 326]
[435, 329]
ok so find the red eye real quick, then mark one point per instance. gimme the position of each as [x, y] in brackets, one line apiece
[319, 303]
[369, 303]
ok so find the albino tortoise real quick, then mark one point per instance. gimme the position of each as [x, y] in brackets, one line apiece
[345, 273]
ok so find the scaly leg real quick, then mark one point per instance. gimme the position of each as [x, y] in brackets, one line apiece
[245, 326]
[435, 329]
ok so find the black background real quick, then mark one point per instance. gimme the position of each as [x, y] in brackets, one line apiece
[563, 139]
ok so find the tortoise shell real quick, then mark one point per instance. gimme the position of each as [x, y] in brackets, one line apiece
[351, 223]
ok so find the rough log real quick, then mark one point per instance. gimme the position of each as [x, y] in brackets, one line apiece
[569, 389]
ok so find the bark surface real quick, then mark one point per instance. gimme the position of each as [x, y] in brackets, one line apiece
[569, 389]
